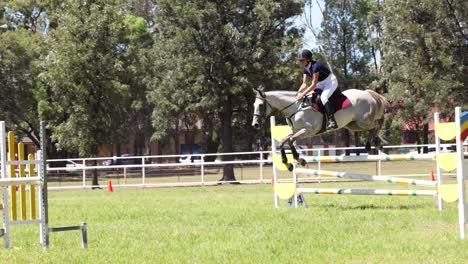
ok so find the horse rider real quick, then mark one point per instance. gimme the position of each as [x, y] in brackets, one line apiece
[322, 79]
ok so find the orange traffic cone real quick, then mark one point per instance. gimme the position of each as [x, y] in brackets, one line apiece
[109, 186]
[432, 175]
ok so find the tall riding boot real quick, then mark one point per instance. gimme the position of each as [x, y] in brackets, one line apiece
[330, 111]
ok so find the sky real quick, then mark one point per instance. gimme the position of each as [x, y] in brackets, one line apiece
[309, 41]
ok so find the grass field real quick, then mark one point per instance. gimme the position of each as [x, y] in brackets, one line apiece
[239, 224]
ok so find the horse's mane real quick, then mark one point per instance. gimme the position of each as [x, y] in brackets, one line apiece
[282, 92]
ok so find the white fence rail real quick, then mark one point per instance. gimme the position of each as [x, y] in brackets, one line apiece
[194, 170]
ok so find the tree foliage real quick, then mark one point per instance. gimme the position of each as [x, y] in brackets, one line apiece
[210, 54]
[100, 70]
[424, 64]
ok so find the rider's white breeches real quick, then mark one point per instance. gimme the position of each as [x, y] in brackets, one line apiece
[328, 87]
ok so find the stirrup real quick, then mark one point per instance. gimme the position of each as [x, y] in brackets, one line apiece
[331, 124]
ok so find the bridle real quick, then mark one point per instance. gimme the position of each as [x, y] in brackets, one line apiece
[263, 112]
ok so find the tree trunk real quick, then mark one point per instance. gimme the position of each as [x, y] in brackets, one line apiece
[425, 137]
[226, 122]
[176, 142]
[95, 182]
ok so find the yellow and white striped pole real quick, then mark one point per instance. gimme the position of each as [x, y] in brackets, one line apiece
[366, 177]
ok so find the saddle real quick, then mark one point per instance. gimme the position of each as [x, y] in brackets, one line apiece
[338, 99]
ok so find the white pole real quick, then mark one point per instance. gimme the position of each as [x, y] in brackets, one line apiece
[438, 170]
[319, 167]
[379, 170]
[295, 183]
[84, 174]
[6, 211]
[143, 170]
[460, 179]
[203, 169]
[273, 152]
[261, 167]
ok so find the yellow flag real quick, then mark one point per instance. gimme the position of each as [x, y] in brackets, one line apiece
[285, 191]
[448, 192]
[280, 132]
[447, 161]
[446, 131]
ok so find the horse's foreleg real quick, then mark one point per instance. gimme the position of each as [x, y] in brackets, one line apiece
[293, 148]
[284, 158]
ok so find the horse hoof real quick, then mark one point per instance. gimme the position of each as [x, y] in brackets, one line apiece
[302, 162]
[290, 167]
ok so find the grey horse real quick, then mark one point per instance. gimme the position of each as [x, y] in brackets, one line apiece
[365, 113]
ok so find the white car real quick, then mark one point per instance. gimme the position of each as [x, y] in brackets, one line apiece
[71, 165]
[190, 158]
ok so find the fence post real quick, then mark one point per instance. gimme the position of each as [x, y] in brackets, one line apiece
[379, 165]
[84, 174]
[125, 176]
[202, 169]
[319, 165]
[438, 169]
[143, 169]
[261, 167]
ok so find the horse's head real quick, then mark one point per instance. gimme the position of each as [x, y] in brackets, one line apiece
[260, 109]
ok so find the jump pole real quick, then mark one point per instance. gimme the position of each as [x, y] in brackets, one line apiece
[381, 157]
[349, 191]
[460, 177]
[367, 177]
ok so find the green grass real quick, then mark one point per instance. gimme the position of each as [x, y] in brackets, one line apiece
[239, 224]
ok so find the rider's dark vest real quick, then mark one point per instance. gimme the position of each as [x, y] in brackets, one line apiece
[317, 66]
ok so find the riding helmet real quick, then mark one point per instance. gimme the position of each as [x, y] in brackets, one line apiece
[305, 54]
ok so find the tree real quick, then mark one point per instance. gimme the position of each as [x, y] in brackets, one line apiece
[84, 98]
[208, 55]
[346, 38]
[21, 46]
[423, 64]
[19, 52]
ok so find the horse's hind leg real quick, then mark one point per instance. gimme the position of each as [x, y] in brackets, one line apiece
[377, 140]
[370, 136]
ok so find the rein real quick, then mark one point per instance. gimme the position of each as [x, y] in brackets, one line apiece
[265, 116]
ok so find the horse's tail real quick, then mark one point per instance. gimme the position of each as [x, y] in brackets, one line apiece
[382, 102]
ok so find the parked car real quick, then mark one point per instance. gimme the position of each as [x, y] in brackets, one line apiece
[124, 159]
[193, 158]
[432, 150]
[71, 165]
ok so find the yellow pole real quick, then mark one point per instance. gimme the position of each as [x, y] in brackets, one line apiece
[32, 190]
[11, 157]
[22, 187]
